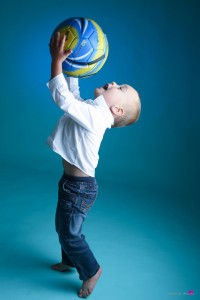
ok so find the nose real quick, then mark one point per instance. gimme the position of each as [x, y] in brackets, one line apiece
[113, 83]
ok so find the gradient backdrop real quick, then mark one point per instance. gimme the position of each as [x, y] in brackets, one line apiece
[145, 226]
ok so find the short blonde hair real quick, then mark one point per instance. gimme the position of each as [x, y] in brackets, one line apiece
[131, 114]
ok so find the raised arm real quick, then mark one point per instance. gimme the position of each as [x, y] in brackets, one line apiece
[73, 86]
[58, 54]
[87, 115]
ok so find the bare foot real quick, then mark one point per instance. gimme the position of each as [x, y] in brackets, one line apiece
[60, 267]
[89, 284]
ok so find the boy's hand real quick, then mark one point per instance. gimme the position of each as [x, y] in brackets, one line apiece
[57, 48]
[58, 54]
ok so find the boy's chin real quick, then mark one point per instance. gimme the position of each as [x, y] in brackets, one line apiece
[98, 92]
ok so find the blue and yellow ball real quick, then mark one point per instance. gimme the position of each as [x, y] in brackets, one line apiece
[89, 44]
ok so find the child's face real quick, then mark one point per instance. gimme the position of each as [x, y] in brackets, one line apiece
[115, 94]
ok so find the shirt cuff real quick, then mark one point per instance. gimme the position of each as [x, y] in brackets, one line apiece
[58, 82]
[72, 81]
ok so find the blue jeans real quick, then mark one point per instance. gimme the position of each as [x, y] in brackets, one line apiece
[76, 195]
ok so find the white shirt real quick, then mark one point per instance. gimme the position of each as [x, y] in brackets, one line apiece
[79, 132]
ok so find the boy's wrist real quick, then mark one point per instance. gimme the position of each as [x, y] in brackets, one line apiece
[56, 62]
[56, 67]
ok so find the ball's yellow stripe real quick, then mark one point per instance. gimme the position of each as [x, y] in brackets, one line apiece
[71, 41]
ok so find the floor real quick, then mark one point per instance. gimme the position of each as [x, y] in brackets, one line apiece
[146, 243]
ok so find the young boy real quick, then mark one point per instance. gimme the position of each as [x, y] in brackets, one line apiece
[77, 138]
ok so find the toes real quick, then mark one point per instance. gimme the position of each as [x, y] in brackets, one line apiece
[84, 293]
[80, 293]
[60, 267]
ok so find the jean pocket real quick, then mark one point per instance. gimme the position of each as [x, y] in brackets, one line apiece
[67, 199]
[66, 205]
[87, 202]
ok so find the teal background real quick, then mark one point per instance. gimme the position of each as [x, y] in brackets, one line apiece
[144, 227]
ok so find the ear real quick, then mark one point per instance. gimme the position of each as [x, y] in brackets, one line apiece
[117, 110]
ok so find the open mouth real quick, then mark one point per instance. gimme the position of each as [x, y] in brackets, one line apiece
[106, 86]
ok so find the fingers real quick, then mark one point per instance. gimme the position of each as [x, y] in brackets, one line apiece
[55, 39]
[57, 47]
[62, 41]
[68, 52]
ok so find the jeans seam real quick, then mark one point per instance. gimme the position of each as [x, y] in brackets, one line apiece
[76, 199]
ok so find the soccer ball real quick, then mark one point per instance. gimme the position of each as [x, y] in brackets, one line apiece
[89, 44]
